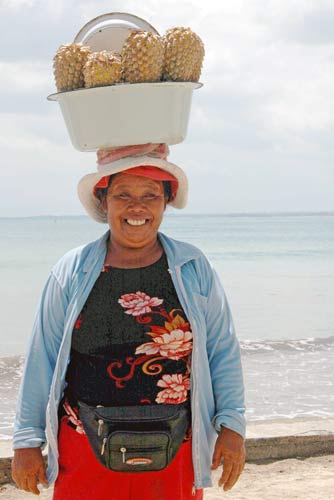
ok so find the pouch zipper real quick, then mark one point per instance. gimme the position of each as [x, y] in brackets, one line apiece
[104, 442]
[123, 449]
[100, 427]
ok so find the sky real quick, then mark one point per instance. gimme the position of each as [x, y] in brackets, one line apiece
[260, 135]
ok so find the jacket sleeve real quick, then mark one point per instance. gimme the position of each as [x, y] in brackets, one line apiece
[41, 358]
[225, 361]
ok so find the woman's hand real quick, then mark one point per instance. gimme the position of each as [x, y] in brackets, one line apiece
[28, 469]
[231, 452]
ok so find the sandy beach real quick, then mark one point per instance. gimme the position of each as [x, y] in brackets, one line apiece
[309, 479]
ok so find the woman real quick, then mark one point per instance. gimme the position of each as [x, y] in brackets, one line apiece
[134, 317]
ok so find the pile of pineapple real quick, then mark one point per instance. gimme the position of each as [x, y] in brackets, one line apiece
[145, 57]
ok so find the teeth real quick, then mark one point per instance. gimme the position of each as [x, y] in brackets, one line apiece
[134, 222]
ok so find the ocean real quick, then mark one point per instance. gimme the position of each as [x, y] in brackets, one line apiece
[278, 275]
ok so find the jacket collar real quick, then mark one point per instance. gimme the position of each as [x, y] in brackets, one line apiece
[177, 252]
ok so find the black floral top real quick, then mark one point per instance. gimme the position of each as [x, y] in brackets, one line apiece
[131, 343]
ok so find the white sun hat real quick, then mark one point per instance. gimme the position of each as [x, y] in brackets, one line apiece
[86, 185]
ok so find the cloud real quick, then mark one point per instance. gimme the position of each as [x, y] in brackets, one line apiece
[24, 86]
[24, 76]
[309, 24]
[22, 133]
[261, 128]
[17, 4]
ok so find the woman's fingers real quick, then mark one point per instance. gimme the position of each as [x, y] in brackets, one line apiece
[230, 449]
[216, 458]
[28, 484]
[227, 469]
[22, 484]
[231, 478]
[32, 485]
[28, 469]
[42, 476]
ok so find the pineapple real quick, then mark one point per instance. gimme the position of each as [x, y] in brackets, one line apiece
[68, 64]
[142, 57]
[184, 53]
[102, 68]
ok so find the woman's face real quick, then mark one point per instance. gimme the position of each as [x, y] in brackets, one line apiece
[134, 206]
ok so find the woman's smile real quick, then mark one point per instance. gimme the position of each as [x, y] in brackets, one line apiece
[136, 222]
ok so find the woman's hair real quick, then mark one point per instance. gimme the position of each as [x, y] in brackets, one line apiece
[101, 193]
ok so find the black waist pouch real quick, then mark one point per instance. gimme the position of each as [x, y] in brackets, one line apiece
[135, 438]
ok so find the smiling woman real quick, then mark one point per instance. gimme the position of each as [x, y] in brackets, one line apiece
[134, 206]
[133, 352]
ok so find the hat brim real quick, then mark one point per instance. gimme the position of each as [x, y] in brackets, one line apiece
[93, 206]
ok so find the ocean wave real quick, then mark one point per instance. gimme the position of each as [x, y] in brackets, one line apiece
[293, 415]
[11, 366]
[6, 437]
[305, 345]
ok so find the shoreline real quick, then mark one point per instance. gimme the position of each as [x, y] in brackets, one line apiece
[290, 426]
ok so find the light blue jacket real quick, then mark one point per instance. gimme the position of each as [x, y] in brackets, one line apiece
[217, 390]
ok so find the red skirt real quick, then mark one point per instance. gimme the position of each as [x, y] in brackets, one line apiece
[81, 476]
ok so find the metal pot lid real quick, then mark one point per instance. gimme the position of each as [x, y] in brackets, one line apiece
[109, 31]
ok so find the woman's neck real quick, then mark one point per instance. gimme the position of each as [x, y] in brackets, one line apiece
[127, 257]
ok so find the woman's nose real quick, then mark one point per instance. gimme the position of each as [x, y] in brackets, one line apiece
[137, 202]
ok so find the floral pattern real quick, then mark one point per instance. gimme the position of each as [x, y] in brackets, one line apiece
[170, 341]
[138, 303]
[173, 341]
[175, 390]
[72, 415]
[78, 322]
[173, 345]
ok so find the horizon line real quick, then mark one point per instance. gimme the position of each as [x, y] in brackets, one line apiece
[173, 214]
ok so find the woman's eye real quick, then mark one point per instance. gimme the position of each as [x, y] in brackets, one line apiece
[150, 196]
[122, 196]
